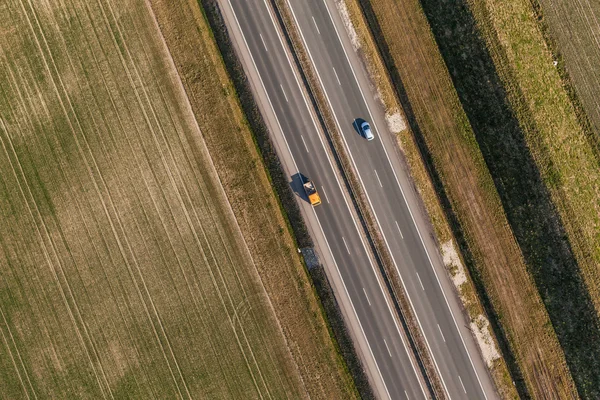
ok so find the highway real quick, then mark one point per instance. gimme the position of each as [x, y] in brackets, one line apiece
[347, 99]
[302, 147]
[352, 261]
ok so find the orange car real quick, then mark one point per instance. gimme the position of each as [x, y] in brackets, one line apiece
[311, 192]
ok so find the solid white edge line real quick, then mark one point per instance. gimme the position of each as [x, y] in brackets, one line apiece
[336, 76]
[421, 282]
[399, 230]
[325, 193]
[443, 338]
[378, 180]
[461, 384]
[316, 26]
[284, 95]
[368, 301]
[337, 123]
[305, 146]
[388, 349]
[313, 210]
[406, 202]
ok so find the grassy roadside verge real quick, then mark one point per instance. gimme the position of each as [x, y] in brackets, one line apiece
[505, 114]
[383, 259]
[469, 198]
[480, 327]
[231, 144]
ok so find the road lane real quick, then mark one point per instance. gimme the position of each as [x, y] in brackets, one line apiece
[345, 95]
[339, 227]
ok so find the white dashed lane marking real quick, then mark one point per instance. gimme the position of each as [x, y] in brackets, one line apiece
[461, 384]
[315, 22]
[388, 349]
[399, 230]
[325, 193]
[421, 282]
[263, 40]
[346, 244]
[366, 296]
[443, 338]
[305, 146]
[377, 175]
[336, 77]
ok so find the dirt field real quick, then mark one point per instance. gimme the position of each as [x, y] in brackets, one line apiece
[468, 193]
[123, 270]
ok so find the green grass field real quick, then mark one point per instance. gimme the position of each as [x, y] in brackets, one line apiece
[573, 26]
[123, 271]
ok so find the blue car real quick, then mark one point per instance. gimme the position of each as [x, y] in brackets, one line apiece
[366, 131]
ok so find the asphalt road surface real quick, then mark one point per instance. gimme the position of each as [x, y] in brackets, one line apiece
[348, 100]
[344, 81]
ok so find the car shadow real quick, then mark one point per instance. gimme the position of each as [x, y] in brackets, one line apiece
[297, 183]
[356, 124]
